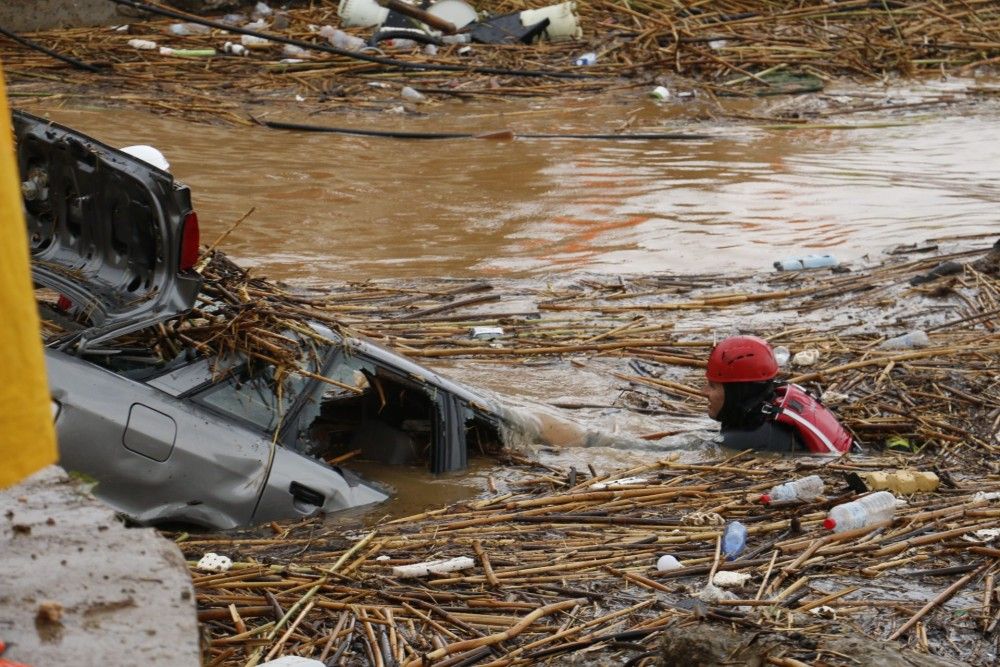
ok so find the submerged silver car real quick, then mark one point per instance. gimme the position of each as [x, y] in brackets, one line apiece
[195, 439]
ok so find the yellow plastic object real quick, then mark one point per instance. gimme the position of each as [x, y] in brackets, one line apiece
[27, 437]
[902, 482]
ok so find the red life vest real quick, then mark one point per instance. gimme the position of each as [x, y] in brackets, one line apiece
[816, 425]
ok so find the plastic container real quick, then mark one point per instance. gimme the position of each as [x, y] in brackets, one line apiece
[805, 489]
[734, 540]
[361, 13]
[871, 509]
[903, 482]
[907, 341]
[659, 93]
[563, 22]
[666, 563]
[586, 59]
[807, 262]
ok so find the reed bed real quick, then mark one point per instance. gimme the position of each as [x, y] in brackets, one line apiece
[563, 561]
[736, 47]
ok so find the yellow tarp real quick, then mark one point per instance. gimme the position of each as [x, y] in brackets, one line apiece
[27, 439]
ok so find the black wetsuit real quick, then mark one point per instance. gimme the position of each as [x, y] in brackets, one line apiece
[746, 423]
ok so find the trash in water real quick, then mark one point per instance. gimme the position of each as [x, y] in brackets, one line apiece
[807, 262]
[433, 567]
[660, 93]
[235, 49]
[486, 333]
[213, 562]
[586, 59]
[185, 29]
[667, 562]
[412, 95]
[909, 340]
[806, 357]
[727, 579]
[341, 39]
[781, 355]
[143, 44]
[253, 42]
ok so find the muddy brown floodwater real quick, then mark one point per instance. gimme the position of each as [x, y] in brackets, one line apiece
[330, 207]
[333, 207]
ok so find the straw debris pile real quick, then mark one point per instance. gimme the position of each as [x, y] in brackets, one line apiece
[736, 47]
[561, 564]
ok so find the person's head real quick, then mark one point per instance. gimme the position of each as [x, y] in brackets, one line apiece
[740, 371]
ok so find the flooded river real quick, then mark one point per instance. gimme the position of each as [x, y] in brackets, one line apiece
[332, 207]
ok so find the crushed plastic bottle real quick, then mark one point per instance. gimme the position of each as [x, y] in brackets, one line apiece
[341, 40]
[253, 42]
[807, 262]
[805, 489]
[667, 562]
[412, 95]
[261, 10]
[143, 44]
[233, 19]
[781, 355]
[292, 51]
[734, 540]
[586, 59]
[871, 509]
[909, 340]
[186, 29]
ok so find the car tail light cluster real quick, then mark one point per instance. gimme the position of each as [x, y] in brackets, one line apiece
[189, 242]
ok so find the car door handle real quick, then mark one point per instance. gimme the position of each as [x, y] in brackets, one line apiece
[306, 499]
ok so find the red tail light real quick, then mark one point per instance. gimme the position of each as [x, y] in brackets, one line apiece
[189, 242]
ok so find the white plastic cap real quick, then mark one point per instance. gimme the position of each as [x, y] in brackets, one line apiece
[149, 155]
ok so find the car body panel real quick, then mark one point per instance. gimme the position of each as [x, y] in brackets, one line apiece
[104, 228]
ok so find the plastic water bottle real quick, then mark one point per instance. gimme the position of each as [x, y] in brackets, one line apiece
[586, 59]
[873, 508]
[909, 340]
[734, 540]
[807, 262]
[807, 488]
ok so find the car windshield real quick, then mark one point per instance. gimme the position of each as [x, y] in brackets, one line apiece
[261, 393]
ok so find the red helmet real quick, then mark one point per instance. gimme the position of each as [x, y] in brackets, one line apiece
[741, 359]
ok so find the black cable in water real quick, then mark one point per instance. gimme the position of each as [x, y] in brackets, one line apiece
[35, 46]
[402, 64]
[393, 134]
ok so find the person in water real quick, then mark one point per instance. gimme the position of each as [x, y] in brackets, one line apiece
[757, 412]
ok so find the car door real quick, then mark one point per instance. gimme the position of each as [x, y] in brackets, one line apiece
[155, 457]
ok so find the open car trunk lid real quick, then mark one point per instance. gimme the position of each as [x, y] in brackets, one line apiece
[105, 229]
